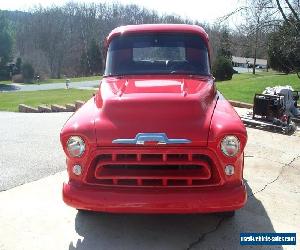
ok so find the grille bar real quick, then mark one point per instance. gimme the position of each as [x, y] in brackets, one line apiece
[153, 170]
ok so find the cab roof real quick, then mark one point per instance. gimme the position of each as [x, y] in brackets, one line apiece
[141, 28]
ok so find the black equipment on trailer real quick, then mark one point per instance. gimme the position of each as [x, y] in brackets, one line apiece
[268, 106]
[272, 112]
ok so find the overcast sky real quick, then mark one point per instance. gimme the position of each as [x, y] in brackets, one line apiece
[202, 10]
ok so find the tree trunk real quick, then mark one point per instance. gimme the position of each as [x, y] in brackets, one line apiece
[254, 62]
[255, 50]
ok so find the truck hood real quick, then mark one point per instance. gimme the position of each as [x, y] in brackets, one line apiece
[180, 108]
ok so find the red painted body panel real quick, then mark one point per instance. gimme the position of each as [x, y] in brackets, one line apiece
[156, 178]
[142, 201]
[184, 28]
[148, 105]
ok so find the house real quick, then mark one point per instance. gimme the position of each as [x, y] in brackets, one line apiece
[244, 62]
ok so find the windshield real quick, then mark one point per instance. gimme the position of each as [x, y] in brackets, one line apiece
[157, 54]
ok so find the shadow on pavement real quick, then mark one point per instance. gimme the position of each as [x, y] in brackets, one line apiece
[211, 231]
[8, 87]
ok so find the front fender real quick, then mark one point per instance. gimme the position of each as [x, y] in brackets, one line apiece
[81, 123]
[226, 121]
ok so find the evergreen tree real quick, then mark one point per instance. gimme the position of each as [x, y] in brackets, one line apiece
[225, 45]
[27, 72]
[284, 48]
[95, 57]
[18, 66]
[5, 47]
[222, 67]
[91, 62]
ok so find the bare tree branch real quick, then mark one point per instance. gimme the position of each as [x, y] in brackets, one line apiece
[226, 17]
[292, 10]
[281, 11]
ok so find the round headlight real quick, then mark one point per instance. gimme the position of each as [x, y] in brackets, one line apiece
[75, 146]
[230, 145]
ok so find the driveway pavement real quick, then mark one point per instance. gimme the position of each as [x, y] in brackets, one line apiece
[29, 147]
[36, 87]
[33, 215]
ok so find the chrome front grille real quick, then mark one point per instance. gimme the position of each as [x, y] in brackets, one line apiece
[153, 170]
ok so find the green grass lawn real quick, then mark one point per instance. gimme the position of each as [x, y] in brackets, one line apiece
[242, 87]
[75, 79]
[9, 101]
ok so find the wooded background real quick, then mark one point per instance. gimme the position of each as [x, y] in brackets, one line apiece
[68, 40]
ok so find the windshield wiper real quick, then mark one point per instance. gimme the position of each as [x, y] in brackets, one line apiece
[194, 73]
[116, 75]
[183, 72]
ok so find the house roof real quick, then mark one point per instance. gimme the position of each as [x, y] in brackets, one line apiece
[245, 60]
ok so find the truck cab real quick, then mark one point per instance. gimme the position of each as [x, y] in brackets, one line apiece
[157, 137]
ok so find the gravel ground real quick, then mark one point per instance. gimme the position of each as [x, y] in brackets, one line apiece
[30, 147]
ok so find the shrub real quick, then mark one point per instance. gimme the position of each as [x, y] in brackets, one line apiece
[18, 66]
[4, 73]
[17, 78]
[222, 69]
[27, 72]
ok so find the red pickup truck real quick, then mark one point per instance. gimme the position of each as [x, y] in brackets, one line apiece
[157, 137]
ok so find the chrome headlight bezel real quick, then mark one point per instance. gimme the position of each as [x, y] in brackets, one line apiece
[75, 146]
[230, 145]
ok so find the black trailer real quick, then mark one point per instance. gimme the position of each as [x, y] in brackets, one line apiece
[271, 112]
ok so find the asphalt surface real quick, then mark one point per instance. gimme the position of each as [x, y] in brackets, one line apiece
[29, 147]
[36, 87]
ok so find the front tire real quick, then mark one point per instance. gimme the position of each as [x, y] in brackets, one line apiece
[227, 214]
[82, 211]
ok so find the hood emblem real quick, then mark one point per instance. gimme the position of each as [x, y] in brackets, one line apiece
[160, 138]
